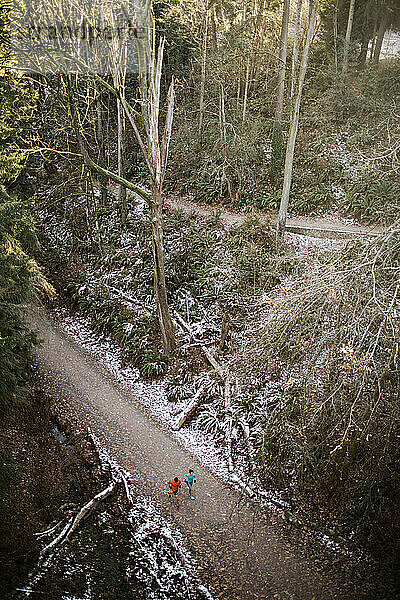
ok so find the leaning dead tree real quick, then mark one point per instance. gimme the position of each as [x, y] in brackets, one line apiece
[75, 63]
[156, 156]
[154, 146]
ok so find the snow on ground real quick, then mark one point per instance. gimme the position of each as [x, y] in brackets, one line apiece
[338, 151]
[151, 395]
[158, 557]
[305, 245]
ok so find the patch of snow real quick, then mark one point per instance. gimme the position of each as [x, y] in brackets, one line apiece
[158, 557]
[151, 395]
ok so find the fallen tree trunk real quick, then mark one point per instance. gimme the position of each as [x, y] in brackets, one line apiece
[224, 375]
[128, 298]
[49, 552]
[187, 412]
[213, 362]
[73, 523]
[227, 379]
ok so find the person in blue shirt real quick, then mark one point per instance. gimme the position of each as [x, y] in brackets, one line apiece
[190, 479]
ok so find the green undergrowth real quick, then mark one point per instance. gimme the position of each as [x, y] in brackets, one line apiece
[20, 280]
[346, 157]
[313, 345]
[209, 274]
[319, 387]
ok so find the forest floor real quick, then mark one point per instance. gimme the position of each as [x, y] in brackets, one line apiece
[242, 551]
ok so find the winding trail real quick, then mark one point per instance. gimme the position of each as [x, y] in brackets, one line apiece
[242, 553]
[326, 227]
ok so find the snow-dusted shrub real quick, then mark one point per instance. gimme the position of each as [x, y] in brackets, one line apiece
[253, 252]
[332, 341]
[179, 381]
[374, 196]
[211, 419]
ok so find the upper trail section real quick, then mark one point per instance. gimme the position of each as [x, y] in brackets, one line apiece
[324, 227]
[243, 552]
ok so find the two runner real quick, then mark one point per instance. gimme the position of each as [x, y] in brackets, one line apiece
[175, 484]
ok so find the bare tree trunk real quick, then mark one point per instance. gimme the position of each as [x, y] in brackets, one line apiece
[187, 412]
[380, 36]
[246, 89]
[373, 41]
[222, 121]
[335, 34]
[258, 38]
[121, 126]
[119, 84]
[160, 288]
[287, 182]
[101, 154]
[295, 56]
[154, 146]
[348, 37]
[282, 62]
[214, 45]
[203, 79]
[239, 86]
[362, 59]
[276, 158]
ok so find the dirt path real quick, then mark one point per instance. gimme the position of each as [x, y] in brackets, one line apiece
[329, 226]
[242, 553]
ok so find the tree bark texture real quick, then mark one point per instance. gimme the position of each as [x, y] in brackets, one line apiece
[282, 62]
[160, 287]
[203, 79]
[381, 33]
[287, 181]
[276, 158]
[296, 40]
[348, 37]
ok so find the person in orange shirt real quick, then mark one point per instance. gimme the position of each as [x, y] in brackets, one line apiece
[174, 486]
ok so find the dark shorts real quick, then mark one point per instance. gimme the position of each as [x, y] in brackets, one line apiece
[174, 492]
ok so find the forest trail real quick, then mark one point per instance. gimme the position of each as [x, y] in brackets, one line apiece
[242, 552]
[326, 227]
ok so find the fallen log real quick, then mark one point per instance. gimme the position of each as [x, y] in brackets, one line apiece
[49, 552]
[227, 379]
[211, 359]
[187, 412]
[225, 376]
[74, 521]
[128, 298]
[228, 424]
